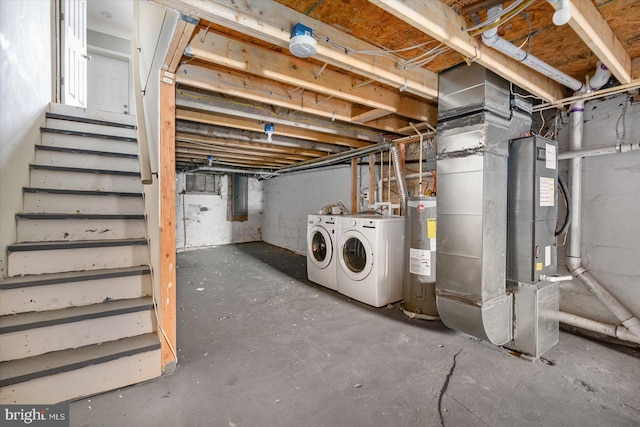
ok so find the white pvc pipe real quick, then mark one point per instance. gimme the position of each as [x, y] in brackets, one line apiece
[599, 151]
[616, 331]
[492, 39]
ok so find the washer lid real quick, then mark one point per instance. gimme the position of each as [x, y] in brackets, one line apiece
[319, 246]
[355, 254]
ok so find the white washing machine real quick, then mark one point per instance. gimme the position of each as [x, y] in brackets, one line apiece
[321, 253]
[370, 251]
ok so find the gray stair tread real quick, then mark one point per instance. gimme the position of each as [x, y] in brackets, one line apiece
[84, 151]
[23, 321]
[74, 244]
[77, 216]
[89, 120]
[21, 370]
[84, 170]
[79, 192]
[73, 276]
[87, 134]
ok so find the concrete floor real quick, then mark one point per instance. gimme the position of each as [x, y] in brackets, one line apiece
[260, 345]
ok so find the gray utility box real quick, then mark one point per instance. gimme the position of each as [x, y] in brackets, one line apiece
[532, 210]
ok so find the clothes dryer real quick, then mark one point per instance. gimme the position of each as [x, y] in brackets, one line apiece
[321, 253]
[370, 255]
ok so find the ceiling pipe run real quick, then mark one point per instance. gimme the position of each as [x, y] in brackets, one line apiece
[334, 158]
[231, 170]
[492, 39]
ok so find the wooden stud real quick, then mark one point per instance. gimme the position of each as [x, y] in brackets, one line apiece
[167, 178]
[185, 27]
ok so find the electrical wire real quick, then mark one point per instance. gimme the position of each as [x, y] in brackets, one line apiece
[504, 18]
[622, 118]
[504, 12]
[567, 200]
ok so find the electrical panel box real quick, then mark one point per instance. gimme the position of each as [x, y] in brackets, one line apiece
[532, 209]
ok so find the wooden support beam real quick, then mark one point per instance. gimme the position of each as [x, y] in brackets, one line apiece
[167, 178]
[256, 125]
[205, 140]
[253, 88]
[272, 22]
[369, 115]
[220, 155]
[213, 148]
[392, 124]
[246, 57]
[215, 103]
[594, 31]
[439, 21]
[202, 161]
[185, 27]
[354, 185]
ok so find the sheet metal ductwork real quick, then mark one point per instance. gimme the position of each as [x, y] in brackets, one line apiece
[477, 117]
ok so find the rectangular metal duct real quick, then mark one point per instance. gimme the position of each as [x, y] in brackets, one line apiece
[473, 148]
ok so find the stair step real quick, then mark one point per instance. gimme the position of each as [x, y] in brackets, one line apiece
[57, 291]
[84, 382]
[69, 140]
[92, 128]
[60, 256]
[87, 159]
[85, 179]
[82, 113]
[17, 371]
[87, 134]
[89, 120]
[80, 201]
[46, 227]
[34, 333]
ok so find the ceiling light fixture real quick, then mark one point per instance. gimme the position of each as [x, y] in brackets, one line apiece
[302, 43]
[563, 13]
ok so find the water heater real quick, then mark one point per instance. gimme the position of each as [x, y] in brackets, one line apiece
[419, 272]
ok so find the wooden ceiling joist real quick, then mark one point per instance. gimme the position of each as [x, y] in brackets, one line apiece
[200, 160]
[219, 155]
[258, 126]
[218, 79]
[218, 104]
[247, 147]
[594, 31]
[272, 22]
[246, 57]
[439, 21]
[185, 143]
[369, 115]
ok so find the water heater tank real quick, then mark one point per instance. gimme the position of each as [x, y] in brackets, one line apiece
[419, 272]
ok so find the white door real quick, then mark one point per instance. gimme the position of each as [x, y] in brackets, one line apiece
[73, 43]
[108, 84]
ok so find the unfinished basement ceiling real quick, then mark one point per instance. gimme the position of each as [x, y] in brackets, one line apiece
[375, 72]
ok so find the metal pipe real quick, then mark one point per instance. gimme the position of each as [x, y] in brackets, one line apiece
[420, 159]
[334, 158]
[616, 331]
[492, 39]
[599, 151]
[402, 186]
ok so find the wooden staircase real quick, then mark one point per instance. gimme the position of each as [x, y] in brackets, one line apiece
[76, 313]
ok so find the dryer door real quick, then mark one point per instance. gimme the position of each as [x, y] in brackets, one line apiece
[319, 246]
[356, 255]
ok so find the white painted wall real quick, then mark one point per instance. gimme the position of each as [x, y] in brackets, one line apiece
[201, 219]
[26, 66]
[289, 199]
[611, 204]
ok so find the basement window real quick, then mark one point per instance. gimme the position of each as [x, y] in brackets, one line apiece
[203, 183]
[238, 201]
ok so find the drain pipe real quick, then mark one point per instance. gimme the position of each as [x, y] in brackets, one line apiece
[492, 39]
[616, 331]
[402, 186]
[599, 151]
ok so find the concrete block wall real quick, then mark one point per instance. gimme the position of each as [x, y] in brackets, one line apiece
[289, 199]
[611, 204]
[201, 219]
